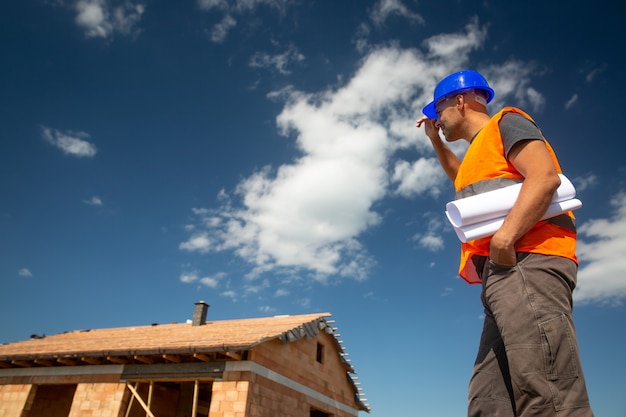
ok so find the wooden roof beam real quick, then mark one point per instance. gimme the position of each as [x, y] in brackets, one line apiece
[204, 357]
[233, 355]
[171, 358]
[91, 360]
[25, 364]
[67, 361]
[118, 359]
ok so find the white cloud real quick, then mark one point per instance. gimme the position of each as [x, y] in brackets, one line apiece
[583, 183]
[309, 215]
[242, 6]
[230, 294]
[100, 19]
[25, 272]
[305, 302]
[198, 243]
[447, 291]
[573, 100]
[281, 293]
[189, 277]
[422, 176]
[601, 253]
[211, 282]
[455, 48]
[431, 239]
[93, 201]
[71, 143]
[230, 8]
[212, 4]
[221, 29]
[513, 80]
[278, 62]
[535, 98]
[591, 75]
[256, 288]
[383, 9]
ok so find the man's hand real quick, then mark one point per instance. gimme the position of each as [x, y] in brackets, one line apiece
[502, 251]
[448, 160]
[430, 127]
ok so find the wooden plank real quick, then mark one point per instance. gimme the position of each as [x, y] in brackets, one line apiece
[139, 400]
[194, 406]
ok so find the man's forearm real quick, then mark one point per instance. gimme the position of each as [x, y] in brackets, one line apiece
[534, 199]
[448, 159]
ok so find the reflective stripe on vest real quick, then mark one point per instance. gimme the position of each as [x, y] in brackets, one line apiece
[485, 168]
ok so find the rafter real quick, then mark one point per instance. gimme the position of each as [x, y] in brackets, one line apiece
[171, 358]
[91, 360]
[25, 364]
[67, 361]
[118, 359]
[144, 359]
[233, 355]
[203, 357]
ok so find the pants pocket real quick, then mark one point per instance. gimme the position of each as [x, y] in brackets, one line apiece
[559, 349]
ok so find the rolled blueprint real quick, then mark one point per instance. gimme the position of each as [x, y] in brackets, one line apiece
[489, 227]
[497, 203]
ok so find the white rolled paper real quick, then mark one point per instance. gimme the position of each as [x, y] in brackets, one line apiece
[497, 203]
[489, 227]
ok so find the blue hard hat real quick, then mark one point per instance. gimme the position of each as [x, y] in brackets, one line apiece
[455, 83]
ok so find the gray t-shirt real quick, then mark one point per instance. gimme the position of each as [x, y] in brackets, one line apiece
[515, 128]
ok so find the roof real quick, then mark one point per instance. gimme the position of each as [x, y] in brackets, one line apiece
[176, 338]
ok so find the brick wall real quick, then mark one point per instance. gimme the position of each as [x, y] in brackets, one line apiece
[245, 393]
[270, 398]
[297, 361]
[230, 398]
[97, 400]
[13, 399]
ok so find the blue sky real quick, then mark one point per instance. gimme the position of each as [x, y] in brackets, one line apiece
[262, 156]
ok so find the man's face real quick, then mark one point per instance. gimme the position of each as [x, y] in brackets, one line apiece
[446, 117]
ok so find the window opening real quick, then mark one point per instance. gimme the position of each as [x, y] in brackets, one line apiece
[169, 398]
[318, 413]
[51, 400]
[320, 353]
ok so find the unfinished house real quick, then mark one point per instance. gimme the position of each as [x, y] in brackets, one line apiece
[283, 366]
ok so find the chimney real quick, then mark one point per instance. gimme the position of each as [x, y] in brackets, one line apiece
[199, 313]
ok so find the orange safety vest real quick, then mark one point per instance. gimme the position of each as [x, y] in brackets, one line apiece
[485, 168]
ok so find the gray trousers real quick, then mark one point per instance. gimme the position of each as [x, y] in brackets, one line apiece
[528, 362]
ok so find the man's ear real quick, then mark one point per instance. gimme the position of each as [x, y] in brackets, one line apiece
[460, 100]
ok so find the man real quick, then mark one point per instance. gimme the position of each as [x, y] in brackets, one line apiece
[528, 362]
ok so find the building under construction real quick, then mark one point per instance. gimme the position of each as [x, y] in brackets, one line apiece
[283, 366]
